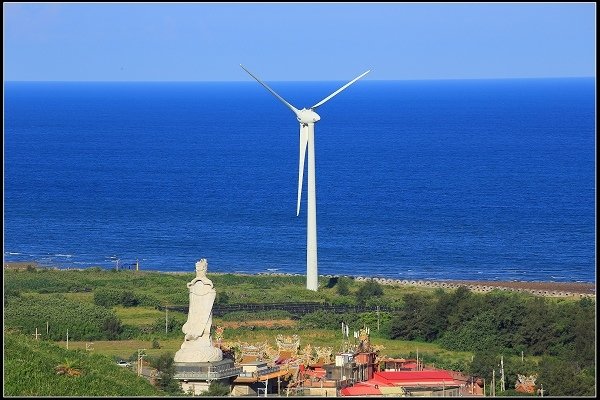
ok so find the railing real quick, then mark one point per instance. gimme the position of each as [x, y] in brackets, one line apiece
[260, 372]
[208, 375]
[294, 308]
[270, 370]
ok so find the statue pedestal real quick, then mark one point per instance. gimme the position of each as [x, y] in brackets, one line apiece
[195, 377]
[200, 350]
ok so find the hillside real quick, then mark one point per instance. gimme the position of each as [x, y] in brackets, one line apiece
[30, 369]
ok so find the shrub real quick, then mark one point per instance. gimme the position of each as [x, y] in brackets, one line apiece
[164, 364]
[107, 297]
[128, 299]
[222, 298]
[342, 286]
[217, 388]
[112, 327]
[368, 290]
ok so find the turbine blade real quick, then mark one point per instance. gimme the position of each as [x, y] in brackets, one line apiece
[339, 90]
[291, 107]
[303, 143]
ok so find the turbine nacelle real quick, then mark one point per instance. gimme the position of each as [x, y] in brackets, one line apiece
[307, 116]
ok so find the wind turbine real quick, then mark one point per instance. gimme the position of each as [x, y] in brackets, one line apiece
[307, 119]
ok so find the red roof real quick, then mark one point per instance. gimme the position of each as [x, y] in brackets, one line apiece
[319, 373]
[417, 378]
[360, 390]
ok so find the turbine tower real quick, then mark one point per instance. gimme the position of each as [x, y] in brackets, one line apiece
[307, 119]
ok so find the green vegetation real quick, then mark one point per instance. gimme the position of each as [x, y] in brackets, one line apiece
[256, 315]
[507, 323]
[369, 292]
[216, 388]
[83, 320]
[499, 321]
[454, 329]
[164, 365]
[39, 368]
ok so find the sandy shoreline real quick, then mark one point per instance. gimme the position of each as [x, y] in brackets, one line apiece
[554, 289]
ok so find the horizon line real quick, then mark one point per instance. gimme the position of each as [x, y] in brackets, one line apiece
[293, 81]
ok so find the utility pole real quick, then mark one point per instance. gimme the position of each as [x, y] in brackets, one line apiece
[166, 319]
[418, 359]
[67, 339]
[502, 387]
[472, 384]
[377, 318]
[47, 328]
[521, 355]
[493, 390]
[140, 359]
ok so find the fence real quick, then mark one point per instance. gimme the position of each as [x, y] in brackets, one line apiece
[293, 308]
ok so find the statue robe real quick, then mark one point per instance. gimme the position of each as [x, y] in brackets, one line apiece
[202, 297]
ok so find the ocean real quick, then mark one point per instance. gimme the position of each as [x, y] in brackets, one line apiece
[449, 179]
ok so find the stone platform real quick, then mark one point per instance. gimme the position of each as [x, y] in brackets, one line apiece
[196, 376]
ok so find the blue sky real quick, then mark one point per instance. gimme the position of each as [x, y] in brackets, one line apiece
[295, 41]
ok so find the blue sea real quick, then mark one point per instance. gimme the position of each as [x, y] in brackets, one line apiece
[448, 179]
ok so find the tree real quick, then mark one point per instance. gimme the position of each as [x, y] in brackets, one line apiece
[368, 290]
[222, 298]
[112, 327]
[128, 299]
[563, 378]
[341, 286]
[166, 368]
[538, 328]
[217, 388]
[584, 330]
[415, 320]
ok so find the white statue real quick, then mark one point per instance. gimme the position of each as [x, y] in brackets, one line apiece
[197, 345]
[202, 297]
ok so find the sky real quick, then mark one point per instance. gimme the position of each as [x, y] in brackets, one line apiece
[296, 41]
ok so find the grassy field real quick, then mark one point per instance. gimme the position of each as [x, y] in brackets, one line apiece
[169, 289]
[125, 306]
[125, 348]
[155, 288]
[141, 315]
